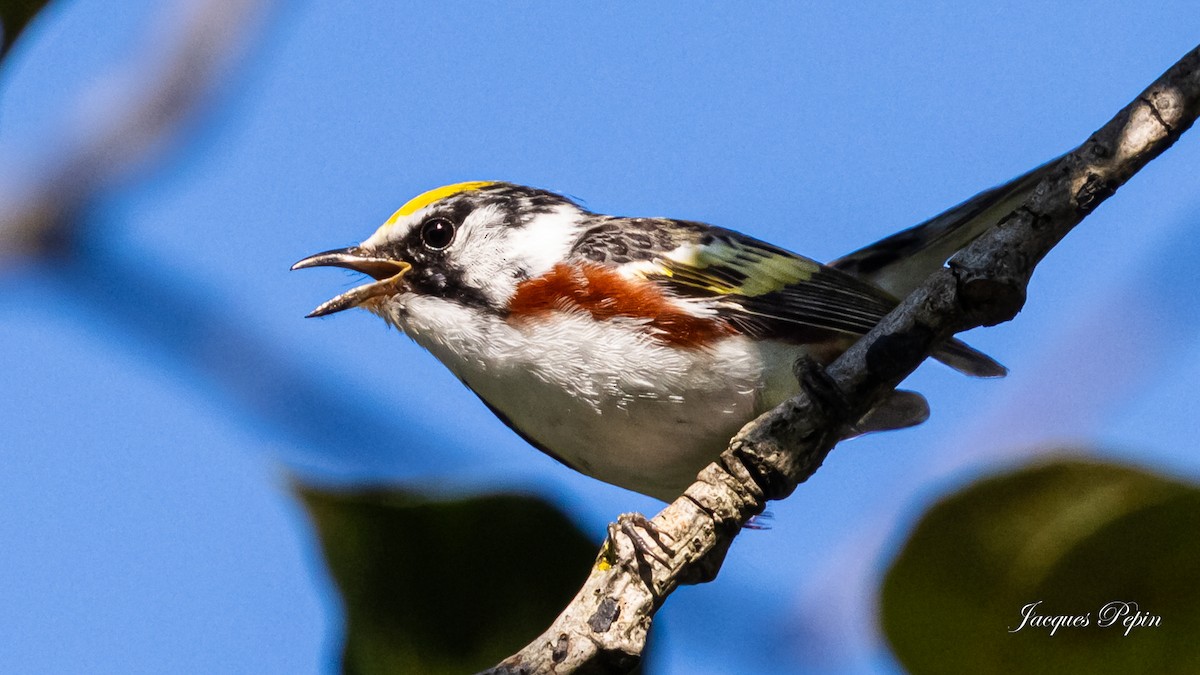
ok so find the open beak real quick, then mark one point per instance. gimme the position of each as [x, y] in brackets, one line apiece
[387, 273]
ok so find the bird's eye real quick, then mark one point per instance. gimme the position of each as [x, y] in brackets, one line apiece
[437, 233]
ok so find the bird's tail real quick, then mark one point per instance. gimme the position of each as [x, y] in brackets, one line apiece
[969, 361]
[900, 410]
[899, 263]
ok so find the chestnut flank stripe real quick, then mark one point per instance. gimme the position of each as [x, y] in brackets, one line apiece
[605, 294]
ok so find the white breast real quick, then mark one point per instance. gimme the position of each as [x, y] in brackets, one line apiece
[602, 396]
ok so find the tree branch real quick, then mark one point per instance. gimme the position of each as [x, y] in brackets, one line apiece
[161, 93]
[47, 201]
[604, 628]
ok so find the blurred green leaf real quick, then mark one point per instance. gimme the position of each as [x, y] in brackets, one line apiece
[445, 586]
[1072, 534]
[14, 16]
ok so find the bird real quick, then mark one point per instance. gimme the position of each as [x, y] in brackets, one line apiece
[632, 349]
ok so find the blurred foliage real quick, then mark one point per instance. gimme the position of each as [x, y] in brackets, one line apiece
[14, 16]
[1072, 534]
[445, 586]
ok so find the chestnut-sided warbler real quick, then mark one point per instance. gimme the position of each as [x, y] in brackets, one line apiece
[632, 349]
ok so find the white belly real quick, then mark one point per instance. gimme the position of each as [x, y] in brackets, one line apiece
[604, 398]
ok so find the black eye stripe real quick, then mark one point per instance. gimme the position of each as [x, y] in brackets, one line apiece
[437, 233]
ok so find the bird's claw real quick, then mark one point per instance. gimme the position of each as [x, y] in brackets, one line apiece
[648, 541]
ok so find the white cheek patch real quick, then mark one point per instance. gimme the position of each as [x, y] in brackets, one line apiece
[546, 240]
[494, 256]
[476, 240]
[480, 251]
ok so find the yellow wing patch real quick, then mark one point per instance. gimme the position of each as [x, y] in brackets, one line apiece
[731, 267]
[426, 198]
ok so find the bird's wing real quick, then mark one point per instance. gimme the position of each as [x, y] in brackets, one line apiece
[768, 292]
[761, 290]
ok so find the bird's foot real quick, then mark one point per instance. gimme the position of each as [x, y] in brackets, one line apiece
[648, 541]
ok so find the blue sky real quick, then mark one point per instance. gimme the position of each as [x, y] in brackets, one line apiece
[145, 515]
